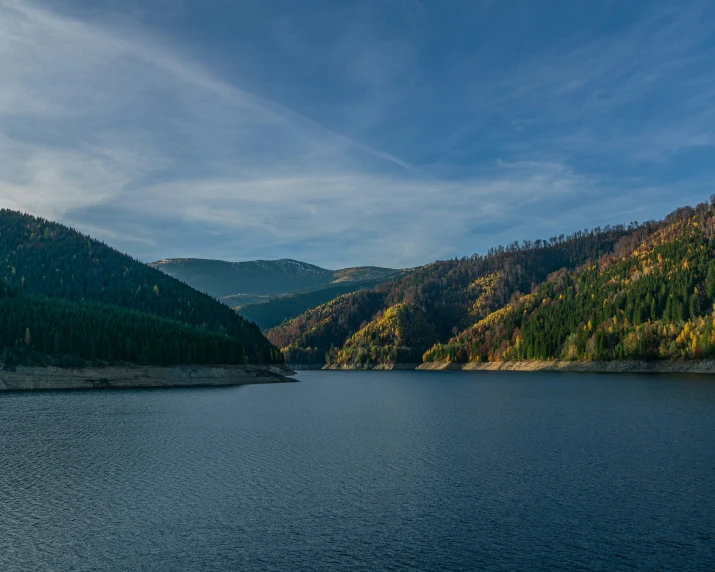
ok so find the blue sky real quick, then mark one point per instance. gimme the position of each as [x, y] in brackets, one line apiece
[388, 132]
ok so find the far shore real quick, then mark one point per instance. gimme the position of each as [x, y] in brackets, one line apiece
[27, 378]
[620, 366]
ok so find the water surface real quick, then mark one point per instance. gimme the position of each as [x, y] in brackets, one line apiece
[364, 471]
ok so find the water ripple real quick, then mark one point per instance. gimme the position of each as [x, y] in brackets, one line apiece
[364, 471]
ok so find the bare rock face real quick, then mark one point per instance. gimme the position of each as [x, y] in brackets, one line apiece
[131, 376]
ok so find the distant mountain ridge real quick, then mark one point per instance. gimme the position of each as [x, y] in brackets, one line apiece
[240, 283]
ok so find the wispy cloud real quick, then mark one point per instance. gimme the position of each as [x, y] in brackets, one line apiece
[144, 145]
[85, 113]
[351, 218]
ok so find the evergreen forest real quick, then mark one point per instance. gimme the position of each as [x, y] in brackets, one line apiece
[69, 299]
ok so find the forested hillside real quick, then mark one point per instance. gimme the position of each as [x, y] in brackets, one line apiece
[277, 310]
[637, 292]
[307, 339]
[652, 298]
[45, 260]
[397, 336]
[432, 303]
[70, 333]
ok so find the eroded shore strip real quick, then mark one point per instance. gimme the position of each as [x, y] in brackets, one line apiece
[621, 366]
[353, 367]
[131, 377]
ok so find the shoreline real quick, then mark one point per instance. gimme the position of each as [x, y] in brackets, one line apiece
[31, 378]
[375, 366]
[621, 366]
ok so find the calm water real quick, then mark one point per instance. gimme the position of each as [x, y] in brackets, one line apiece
[364, 471]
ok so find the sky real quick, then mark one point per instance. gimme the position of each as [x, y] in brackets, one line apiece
[374, 132]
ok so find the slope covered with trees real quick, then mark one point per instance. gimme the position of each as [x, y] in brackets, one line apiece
[396, 336]
[42, 260]
[280, 309]
[452, 295]
[70, 333]
[308, 338]
[651, 298]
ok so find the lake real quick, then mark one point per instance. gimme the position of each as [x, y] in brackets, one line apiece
[364, 471]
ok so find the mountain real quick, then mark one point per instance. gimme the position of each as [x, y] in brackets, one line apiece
[238, 284]
[639, 292]
[650, 298]
[66, 296]
[398, 321]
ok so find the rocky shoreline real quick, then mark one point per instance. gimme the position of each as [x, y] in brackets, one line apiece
[376, 366]
[621, 366]
[131, 377]
[354, 367]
